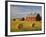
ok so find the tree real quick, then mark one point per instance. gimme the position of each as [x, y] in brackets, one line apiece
[22, 19]
[14, 19]
[38, 17]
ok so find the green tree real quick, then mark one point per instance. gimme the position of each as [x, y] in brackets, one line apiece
[38, 17]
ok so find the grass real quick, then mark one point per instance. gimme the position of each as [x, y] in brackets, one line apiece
[27, 26]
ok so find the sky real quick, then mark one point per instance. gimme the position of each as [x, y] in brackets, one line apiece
[19, 11]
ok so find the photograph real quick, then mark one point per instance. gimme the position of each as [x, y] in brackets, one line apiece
[25, 18]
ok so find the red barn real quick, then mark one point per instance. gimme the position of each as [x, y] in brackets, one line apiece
[32, 18]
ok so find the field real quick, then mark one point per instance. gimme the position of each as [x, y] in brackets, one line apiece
[17, 26]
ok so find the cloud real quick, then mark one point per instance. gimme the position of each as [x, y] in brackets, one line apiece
[22, 11]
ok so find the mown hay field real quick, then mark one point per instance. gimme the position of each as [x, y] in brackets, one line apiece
[17, 26]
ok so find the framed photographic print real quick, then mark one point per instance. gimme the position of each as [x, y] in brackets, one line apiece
[24, 18]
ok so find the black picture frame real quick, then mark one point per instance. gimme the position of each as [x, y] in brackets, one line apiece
[6, 18]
